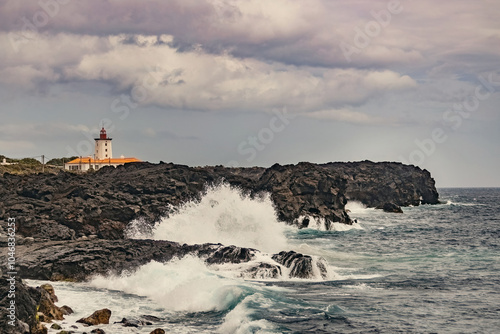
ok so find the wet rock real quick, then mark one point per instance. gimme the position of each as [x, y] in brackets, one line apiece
[66, 310]
[158, 331]
[46, 305]
[98, 317]
[150, 318]
[97, 331]
[39, 329]
[41, 317]
[55, 326]
[264, 271]
[390, 207]
[301, 266]
[133, 322]
[50, 289]
[22, 317]
[230, 254]
[79, 259]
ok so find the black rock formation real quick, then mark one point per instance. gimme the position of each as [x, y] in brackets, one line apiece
[66, 206]
[301, 266]
[80, 260]
[30, 307]
[390, 207]
[375, 184]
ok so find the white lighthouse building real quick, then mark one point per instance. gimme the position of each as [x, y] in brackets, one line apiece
[103, 156]
[103, 149]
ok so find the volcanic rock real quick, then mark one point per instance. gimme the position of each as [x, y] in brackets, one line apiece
[133, 322]
[301, 266]
[47, 306]
[230, 254]
[97, 318]
[390, 207]
[32, 305]
[66, 310]
[158, 331]
[97, 331]
[375, 184]
[67, 206]
[264, 271]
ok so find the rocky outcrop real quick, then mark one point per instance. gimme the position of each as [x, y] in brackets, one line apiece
[78, 260]
[17, 315]
[133, 322]
[158, 331]
[231, 254]
[97, 318]
[306, 190]
[301, 266]
[96, 331]
[31, 306]
[375, 184]
[390, 207]
[264, 271]
[82, 259]
[46, 307]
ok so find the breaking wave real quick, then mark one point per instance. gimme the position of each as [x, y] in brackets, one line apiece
[224, 214]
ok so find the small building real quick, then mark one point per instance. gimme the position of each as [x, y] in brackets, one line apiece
[5, 163]
[103, 156]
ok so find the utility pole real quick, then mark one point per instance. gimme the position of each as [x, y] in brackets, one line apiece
[43, 163]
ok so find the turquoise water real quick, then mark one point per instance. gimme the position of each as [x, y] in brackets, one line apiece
[438, 268]
[433, 269]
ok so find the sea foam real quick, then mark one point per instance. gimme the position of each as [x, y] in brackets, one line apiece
[180, 285]
[225, 215]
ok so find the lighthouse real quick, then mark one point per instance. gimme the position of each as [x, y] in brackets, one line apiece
[103, 149]
[103, 156]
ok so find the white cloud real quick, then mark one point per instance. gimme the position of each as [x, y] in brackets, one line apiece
[160, 75]
[348, 116]
[36, 131]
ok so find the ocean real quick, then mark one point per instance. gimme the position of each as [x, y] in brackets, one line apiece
[432, 269]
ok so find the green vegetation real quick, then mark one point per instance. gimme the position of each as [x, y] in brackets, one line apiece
[31, 165]
[29, 162]
[60, 161]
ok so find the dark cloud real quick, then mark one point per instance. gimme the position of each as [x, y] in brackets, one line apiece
[226, 57]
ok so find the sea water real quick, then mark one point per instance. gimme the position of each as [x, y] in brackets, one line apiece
[432, 269]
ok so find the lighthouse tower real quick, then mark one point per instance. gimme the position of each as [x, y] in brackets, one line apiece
[103, 148]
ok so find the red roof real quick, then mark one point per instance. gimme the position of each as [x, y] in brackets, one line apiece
[113, 161]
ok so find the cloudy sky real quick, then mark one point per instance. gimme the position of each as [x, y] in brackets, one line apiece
[254, 82]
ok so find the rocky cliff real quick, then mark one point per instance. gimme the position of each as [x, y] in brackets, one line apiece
[67, 206]
[376, 184]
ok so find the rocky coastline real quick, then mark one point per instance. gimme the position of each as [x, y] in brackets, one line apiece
[67, 206]
[72, 226]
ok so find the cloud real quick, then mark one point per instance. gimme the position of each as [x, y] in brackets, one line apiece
[285, 31]
[157, 74]
[13, 146]
[348, 116]
[165, 134]
[255, 55]
[39, 131]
